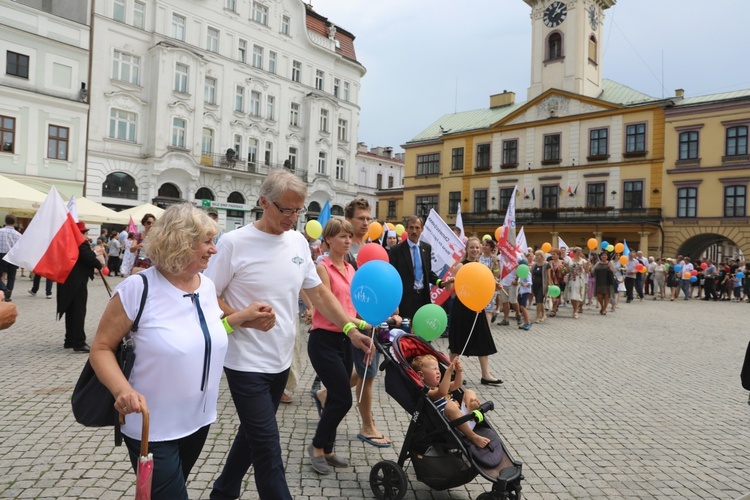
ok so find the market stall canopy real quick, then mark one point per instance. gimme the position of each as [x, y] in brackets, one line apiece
[18, 198]
[141, 210]
[94, 213]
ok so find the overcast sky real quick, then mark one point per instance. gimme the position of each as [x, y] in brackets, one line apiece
[425, 58]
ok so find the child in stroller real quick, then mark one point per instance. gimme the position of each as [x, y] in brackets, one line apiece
[428, 369]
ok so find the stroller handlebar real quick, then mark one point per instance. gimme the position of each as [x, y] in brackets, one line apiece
[476, 415]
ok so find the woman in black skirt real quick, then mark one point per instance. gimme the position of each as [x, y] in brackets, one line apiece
[462, 319]
[538, 284]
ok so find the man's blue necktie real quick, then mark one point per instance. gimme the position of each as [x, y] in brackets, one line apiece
[417, 263]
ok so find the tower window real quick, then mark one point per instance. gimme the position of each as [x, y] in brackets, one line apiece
[554, 46]
[592, 49]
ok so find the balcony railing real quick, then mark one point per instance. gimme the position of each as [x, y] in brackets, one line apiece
[234, 163]
[576, 215]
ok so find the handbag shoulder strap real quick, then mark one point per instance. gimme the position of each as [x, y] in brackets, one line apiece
[144, 295]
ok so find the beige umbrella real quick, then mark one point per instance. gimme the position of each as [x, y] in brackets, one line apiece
[141, 210]
[18, 198]
[93, 212]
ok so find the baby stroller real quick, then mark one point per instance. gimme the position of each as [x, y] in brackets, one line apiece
[440, 454]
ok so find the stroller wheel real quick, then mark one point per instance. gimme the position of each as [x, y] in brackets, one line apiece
[388, 481]
[487, 496]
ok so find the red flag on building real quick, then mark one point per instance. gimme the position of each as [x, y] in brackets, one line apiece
[49, 246]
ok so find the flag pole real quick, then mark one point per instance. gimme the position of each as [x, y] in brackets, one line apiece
[106, 285]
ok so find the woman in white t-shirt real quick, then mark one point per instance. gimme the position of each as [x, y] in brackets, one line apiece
[179, 345]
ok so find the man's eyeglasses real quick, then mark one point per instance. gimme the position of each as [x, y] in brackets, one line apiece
[288, 212]
[363, 219]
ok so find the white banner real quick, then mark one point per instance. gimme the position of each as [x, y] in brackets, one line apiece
[447, 251]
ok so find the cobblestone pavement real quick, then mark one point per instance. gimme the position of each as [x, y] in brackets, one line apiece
[643, 403]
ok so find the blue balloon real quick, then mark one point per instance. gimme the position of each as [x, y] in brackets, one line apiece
[376, 291]
[740, 275]
[605, 244]
[693, 279]
[678, 268]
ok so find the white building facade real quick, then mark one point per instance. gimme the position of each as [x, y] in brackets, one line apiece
[43, 93]
[378, 169]
[198, 101]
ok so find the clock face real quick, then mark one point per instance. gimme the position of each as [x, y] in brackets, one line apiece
[555, 14]
[593, 18]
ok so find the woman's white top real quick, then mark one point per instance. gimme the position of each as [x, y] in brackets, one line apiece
[169, 356]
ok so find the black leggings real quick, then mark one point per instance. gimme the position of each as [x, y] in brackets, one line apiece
[331, 356]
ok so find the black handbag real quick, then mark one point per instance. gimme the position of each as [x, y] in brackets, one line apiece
[93, 404]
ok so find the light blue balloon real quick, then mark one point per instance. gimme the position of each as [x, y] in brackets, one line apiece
[605, 244]
[678, 268]
[376, 291]
[740, 275]
[693, 279]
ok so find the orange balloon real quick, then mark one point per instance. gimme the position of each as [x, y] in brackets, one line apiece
[624, 260]
[546, 247]
[593, 244]
[686, 275]
[375, 230]
[498, 233]
[391, 227]
[475, 285]
[619, 247]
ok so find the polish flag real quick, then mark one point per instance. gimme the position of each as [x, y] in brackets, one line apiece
[49, 246]
[506, 245]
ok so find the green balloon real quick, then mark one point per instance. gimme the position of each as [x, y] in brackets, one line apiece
[429, 321]
[666, 267]
[554, 291]
[522, 271]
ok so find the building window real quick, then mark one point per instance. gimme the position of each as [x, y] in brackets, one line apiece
[552, 148]
[319, 79]
[424, 204]
[296, 71]
[688, 146]
[635, 138]
[57, 142]
[122, 125]
[428, 164]
[285, 25]
[120, 185]
[139, 15]
[181, 78]
[231, 5]
[510, 153]
[270, 107]
[598, 142]
[212, 40]
[454, 201]
[346, 91]
[204, 194]
[260, 13]
[207, 141]
[324, 120]
[340, 170]
[242, 51]
[632, 198]
[483, 156]
[178, 27]
[178, 132]
[322, 162]
[126, 67]
[257, 57]
[343, 130]
[390, 181]
[736, 141]
[457, 159]
[592, 49]
[735, 200]
[272, 62]
[505, 196]
[237, 145]
[554, 46]
[596, 195]
[209, 91]
[687, 202]
[391, 208]
[336, 86]
[255, 98]
[379, 182]
[268, 153]
[550, 196]
[169, 190]
[252, 152]
[239, 99]
[294, 115]
[292, 158]
[8, 134]
[118, 12]
[480, 200]
[17, 64]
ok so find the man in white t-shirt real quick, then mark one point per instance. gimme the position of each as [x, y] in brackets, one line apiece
[267, 262]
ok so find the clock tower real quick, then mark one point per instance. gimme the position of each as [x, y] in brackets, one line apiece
[566, 45]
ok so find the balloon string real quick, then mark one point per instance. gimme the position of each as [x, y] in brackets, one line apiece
[470, 334]
[368, 360]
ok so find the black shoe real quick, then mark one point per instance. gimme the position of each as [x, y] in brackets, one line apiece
[491, 382]
[494, 317]
[82, 348]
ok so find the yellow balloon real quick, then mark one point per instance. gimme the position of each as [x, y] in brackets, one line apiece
[475, 285]
[486, 237]
[374, 230]
[313, 229]
[399, 229]
[624, 260]
[619, 247]
[546, 247]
